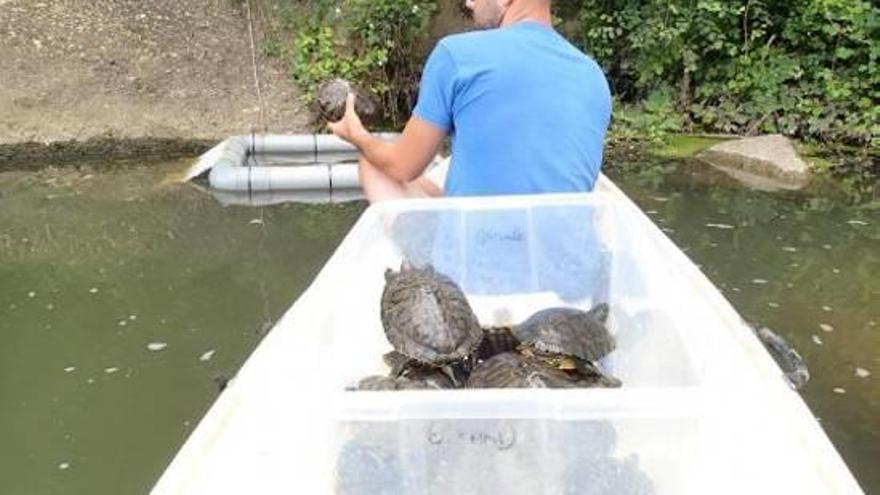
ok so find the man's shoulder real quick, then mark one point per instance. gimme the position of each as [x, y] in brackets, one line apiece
[489, 41]
[467, 41]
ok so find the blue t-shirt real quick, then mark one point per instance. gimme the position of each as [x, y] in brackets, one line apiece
[527, 111]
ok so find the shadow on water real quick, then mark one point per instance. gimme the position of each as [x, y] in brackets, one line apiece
[806, 264]
[124, 305]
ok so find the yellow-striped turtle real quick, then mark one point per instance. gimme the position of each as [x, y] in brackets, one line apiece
[568, 332]
[513, 370]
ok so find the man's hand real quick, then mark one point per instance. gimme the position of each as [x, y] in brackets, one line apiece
[349, 127]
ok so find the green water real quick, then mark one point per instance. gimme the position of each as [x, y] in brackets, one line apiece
[97, 269]
[805, 264]
[97, 266]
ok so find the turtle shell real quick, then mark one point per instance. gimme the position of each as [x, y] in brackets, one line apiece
[365, 467]
[511, 370]
[427, 317]
[568, 331]
[416, 379]
[496, 340]
[330, 99]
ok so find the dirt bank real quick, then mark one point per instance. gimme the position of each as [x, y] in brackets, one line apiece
[76, 72]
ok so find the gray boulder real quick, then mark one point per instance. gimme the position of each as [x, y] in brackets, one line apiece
[767, 162]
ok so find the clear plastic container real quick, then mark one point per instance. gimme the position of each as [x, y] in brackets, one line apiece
[702, 408]
[513, 258]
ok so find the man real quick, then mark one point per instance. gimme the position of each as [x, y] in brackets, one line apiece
[526, 110]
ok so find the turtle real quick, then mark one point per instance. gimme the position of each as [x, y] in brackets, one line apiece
[512, 370]
[365, 466]
[787, 358]
[606, 475]
[426, 316]
[420, 379]
[447, 375]
[330, 98]
[568, 331]
[496, 340]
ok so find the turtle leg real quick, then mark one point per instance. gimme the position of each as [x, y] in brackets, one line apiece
[594, 376]
[397, 362]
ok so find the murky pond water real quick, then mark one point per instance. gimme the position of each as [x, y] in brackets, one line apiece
[803, 264]
[123, 302]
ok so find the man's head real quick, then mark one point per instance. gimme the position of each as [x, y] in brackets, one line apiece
[489, 14]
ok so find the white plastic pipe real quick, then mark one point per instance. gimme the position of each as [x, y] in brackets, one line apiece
[270, 149]
[267, 198]
[312, 161]
[231, 178]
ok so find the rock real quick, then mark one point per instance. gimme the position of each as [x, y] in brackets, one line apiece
[765, 162]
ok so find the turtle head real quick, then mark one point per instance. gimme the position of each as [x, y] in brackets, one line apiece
[406, 265]
[600, 312]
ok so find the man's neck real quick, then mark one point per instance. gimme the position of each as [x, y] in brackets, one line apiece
[514, 15]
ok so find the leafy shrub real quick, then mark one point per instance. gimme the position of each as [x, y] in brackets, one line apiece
[652, 119]
[807, 68]
[377, 44]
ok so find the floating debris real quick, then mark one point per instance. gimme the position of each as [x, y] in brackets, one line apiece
[122, 323]
[661, 199]
[789, 249]
[835, 270]
[156, 346]
[857, 222]
[722, 226]
[839, 390]
[111, 370]
[862, 373]
[207, 356]
[773, 304]
[817, 340]
[63, 465]
[12, 306]
[31, 294]
[132, 317]
[651, 212]
[256, 221]
[70, 369]
[736, 289]
[50, 306]
[872, 323]
[759, 281]
[826, 327]
[826, 246]
[826, 308]
[93, 290]
[90, 381]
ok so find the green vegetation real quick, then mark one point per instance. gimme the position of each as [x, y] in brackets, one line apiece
[379, 44]
[805, 68]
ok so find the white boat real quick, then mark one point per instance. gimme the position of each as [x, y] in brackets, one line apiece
[703, 407]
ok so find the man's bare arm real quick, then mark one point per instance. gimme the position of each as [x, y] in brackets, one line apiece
[403, 160]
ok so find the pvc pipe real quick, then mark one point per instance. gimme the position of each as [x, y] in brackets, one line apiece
[229, 178]
[310, 161]
[344, 176]
[267, 198]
